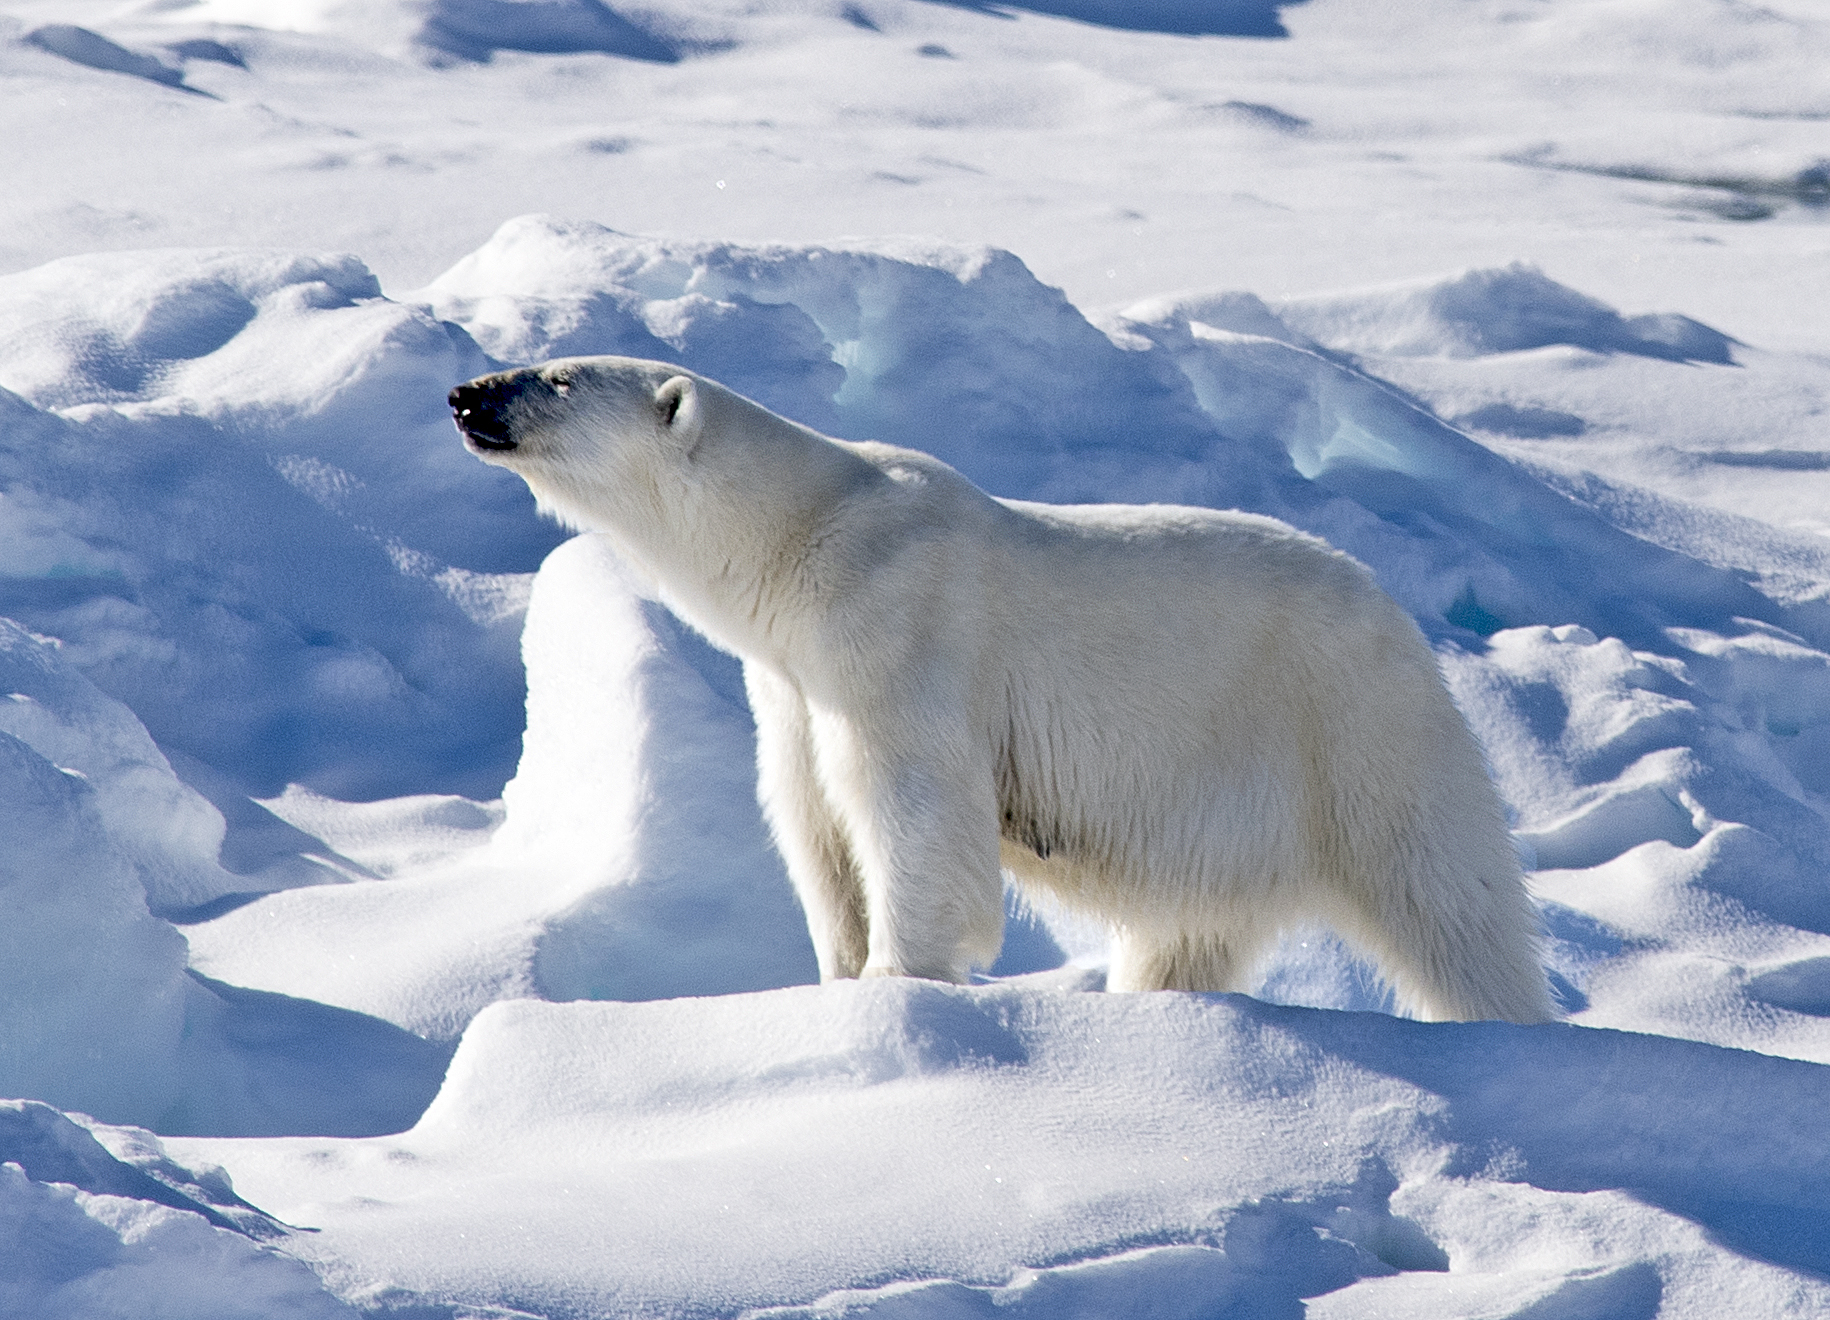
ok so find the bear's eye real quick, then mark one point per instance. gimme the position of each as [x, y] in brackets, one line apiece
[561, 384]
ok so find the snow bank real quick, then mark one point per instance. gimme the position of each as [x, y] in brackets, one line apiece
[245, 518]
[971, 1144]
[1454, 532]
[93, 996]
[476, 29]
[96, 1011]
[632, 863]
[1495, 311]
[961, 352]
[74, 1256]
[91, 49]
[444, 30]
[96, 1229]
[91, 984]
[1626, 412]
[638, 770]
[167, 832]
[1228, 18]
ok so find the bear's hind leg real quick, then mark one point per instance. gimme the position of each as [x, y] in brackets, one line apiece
[1183, 960]
[1448, 922]
[1462, 951]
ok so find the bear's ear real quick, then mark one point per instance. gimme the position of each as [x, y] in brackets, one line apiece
[676, 406]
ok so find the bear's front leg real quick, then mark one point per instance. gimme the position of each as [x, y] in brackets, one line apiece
[918, 804]
[808, 836]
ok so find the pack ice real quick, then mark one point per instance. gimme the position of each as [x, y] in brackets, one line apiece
[389, 929]
[255, 587]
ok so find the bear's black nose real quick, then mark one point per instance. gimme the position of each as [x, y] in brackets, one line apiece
[478, 408]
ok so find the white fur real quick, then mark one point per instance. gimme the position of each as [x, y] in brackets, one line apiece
[1201, 727]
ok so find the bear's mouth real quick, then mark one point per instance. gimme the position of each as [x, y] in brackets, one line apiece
[477, 409]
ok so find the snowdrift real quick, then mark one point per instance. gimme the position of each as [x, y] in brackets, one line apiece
[265, 887]
[1214, 1155]
[178, 491]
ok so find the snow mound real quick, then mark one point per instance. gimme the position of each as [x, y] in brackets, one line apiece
[1079, 1154]
[1484, 312]
[638, 771]
[344, 568]
[1205, 18]
[99, 1223]
[298, 356]
[257, 1064]
[92, 987]
[91, 49]
[1455, 532]
[961, 352]
[96, 1012]
[48, 1147]
[169, 833]
[476, 29]
[440, 31]
[632, 862]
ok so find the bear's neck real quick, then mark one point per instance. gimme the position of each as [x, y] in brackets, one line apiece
[746, 563]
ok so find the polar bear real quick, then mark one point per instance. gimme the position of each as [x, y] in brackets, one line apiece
[1200, 727]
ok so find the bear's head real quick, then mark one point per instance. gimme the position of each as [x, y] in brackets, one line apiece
[597, 439]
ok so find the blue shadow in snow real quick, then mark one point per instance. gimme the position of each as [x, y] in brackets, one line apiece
[50, 1148]
[1190, 18]
[476, 29]
[1729, 1139]
[269, 1065]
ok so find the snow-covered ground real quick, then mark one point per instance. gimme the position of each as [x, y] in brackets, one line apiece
[386, 923]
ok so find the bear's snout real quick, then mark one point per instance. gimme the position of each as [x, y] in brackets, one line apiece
[480, 408]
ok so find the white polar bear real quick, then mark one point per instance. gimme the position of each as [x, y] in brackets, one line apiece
[1200, 727]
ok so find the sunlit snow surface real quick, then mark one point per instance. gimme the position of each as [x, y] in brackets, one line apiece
[1522, 304]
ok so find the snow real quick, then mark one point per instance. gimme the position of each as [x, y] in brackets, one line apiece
[100, 1222]
[227, 640]
[1225, 1151]
[383, 871]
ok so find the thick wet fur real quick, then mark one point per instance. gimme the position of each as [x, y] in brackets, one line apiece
[1200, 727]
